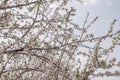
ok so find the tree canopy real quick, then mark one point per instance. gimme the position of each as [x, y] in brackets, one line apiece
[40, 42]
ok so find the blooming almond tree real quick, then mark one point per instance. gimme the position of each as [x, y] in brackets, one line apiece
[40, 41]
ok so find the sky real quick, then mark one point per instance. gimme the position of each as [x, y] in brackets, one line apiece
[107, 11]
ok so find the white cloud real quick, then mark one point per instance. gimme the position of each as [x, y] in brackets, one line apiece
[94, 2]
[98, 2]
[108, 2]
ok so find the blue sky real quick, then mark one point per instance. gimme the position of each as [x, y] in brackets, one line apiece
[107, 10]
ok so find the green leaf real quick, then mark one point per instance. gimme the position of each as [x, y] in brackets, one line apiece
[15, 25]
[5, 34]
[91, 35]
[114, 38]
[51, 1]
[36, 43]
[77, 74]
[39, 2]
[85, 71]
[32, 8]
[103, 63]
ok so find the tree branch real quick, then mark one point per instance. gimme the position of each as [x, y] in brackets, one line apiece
[19, 5]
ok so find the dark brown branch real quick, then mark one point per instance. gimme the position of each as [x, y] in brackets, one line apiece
[12, 51]
[32, 24]
[3, 68]
[19, 5]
